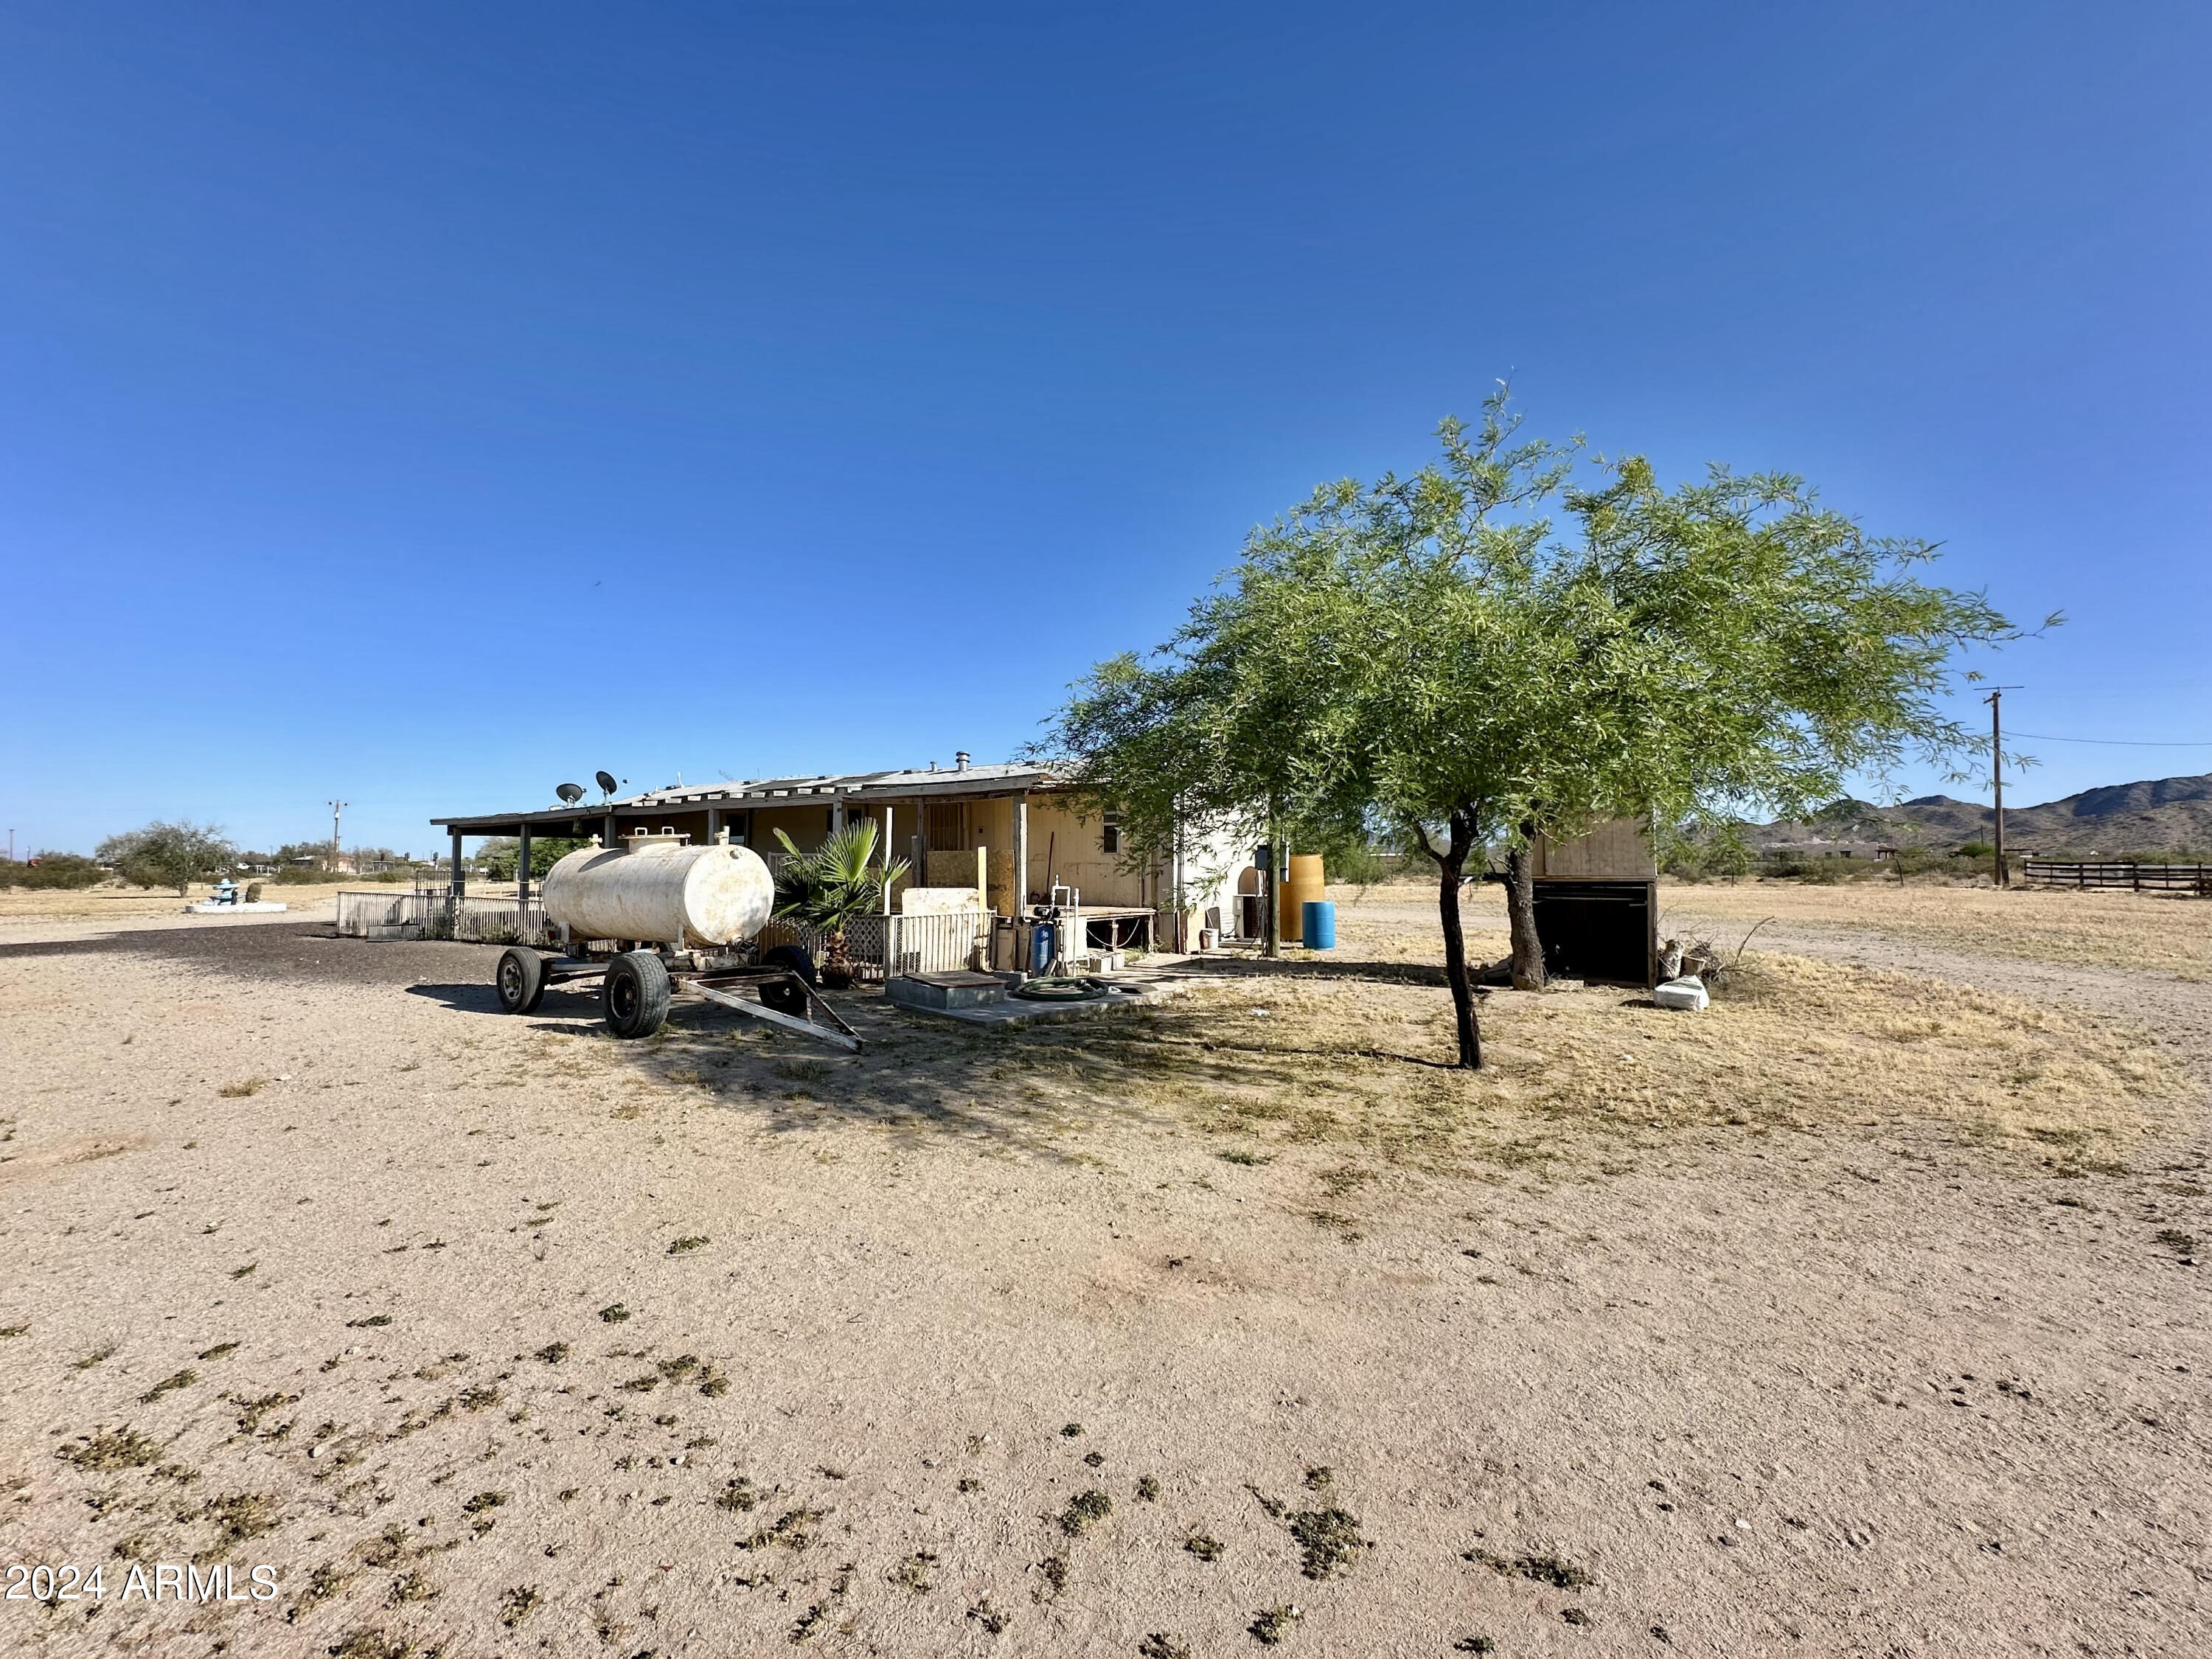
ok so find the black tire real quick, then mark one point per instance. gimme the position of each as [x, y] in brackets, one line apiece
[634, 994]
[785, 998]
[519, 980]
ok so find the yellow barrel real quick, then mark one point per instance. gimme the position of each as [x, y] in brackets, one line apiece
[1305, 882]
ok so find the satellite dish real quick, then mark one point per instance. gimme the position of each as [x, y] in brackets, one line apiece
[570, 794]
[607, 784]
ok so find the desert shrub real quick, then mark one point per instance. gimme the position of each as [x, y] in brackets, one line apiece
[495, 862]
[66, 870]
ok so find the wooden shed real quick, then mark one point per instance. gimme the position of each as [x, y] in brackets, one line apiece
[1597, 905]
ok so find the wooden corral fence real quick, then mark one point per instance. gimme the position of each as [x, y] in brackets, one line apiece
[2138, 878]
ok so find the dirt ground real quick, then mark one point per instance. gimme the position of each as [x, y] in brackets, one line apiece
[1861, 1314]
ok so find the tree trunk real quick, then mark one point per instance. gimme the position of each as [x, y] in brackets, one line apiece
[1521, 918]
[1451, 864]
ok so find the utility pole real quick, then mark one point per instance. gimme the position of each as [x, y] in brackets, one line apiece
[1996, 701]
[336, 808]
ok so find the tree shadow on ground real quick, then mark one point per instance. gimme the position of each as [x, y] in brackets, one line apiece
[1182, 1059]
[1256, 967]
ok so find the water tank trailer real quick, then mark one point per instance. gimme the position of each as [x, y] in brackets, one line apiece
[655, 914]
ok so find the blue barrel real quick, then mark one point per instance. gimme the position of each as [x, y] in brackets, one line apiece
[1041, 949]
[1317, 922]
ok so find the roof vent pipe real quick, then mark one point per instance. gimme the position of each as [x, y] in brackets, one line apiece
[960, 760]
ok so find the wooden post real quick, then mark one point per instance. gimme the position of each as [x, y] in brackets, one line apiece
[460, 882]
[522, 884]
[713, 825]
[1021, 893]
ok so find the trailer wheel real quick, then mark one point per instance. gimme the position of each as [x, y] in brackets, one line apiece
[520, 979]
[787, 999]
[634, 994]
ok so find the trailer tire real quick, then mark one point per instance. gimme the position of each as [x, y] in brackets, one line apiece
[519, 980]
[634, 994]
[785, 998]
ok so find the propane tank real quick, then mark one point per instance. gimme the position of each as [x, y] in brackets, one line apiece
[656, 887]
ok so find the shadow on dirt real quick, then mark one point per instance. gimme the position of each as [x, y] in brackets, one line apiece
[1018, 1088]
[1310, 968]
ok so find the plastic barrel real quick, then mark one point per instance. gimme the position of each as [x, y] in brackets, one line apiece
[1301, 882]
[1317, 922]
[1041, 948]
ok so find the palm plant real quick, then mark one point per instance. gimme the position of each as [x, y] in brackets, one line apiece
[832, 886]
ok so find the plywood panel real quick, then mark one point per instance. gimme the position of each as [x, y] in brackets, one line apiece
[1619, 851]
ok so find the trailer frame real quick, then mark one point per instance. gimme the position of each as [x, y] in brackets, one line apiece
[718, 979]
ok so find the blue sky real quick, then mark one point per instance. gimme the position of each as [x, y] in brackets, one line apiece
[423, 405]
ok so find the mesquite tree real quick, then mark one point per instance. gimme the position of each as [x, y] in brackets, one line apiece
[168, 854]
[1435, 652]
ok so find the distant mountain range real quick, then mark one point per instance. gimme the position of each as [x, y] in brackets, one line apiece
[2156, 814]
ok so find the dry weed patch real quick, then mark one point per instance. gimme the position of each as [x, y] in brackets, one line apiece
[1363, 1067]
[2164, 933]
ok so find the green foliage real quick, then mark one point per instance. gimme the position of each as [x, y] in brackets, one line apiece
[165, 854]
[68, 872]
[1715, 852]
[1432, 651]
[497, 857]
[836, 883]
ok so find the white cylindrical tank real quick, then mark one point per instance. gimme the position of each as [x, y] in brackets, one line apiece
[658, 889]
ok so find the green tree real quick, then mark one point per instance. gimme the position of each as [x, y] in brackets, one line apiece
[497, 857]
[833, 886]
[1435, 651]
[165, 854]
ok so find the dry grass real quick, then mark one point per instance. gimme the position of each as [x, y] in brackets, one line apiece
[2170, 934]
[1344, 1070]
[2164, 933]
[1363, 1067]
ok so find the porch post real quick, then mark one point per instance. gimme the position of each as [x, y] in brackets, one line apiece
[1021, 856]
[522, 886]
[460, 882]
[890, 955]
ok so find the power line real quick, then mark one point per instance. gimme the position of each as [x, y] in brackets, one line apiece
[2122, 743]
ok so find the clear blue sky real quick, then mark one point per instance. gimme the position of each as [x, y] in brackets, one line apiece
[426, 404]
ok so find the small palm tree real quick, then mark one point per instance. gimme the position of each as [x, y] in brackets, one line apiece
[833, 886]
